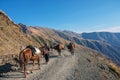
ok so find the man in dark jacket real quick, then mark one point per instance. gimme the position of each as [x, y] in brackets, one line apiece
[46, 55]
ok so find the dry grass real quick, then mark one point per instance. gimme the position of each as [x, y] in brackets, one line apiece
[11, 36]
[46, 34]
[113, 67]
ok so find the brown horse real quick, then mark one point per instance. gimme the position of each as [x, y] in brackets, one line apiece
[25, 56]
[59, 48]
[71, 47]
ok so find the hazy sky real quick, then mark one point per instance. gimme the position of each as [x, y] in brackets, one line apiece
[75, 15]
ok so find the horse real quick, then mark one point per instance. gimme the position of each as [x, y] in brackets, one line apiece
[25, 56]
[71, 47]
[45, 52]
[59, 48]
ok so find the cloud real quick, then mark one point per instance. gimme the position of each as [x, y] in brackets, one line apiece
[99, 26]
[112, 29]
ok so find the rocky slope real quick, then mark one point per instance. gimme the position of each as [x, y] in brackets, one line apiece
[12, 38]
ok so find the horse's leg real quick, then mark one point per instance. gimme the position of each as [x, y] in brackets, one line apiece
[25, 63]
[39, 63]
[47, 58]
[59, 52]
[25, 70]
[25, 66]
[72, 51]
[33, 66]
[21, 65]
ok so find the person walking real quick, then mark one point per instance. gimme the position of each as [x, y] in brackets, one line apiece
[46, 54]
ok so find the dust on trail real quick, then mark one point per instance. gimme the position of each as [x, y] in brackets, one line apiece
[81, 66]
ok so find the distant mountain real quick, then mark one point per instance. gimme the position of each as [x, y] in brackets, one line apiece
[72, 34]
[111, 38]
[23, 27]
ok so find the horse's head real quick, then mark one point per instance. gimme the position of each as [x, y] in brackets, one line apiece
[62, 46]
[59, 47]
[42, 49]
[55, 47]
[71, 46]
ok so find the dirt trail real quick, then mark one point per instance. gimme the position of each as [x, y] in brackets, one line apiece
[81, 66]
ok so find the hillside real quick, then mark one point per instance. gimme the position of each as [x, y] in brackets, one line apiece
[12, 38]
[112, 39]
[104, 48]
[44, 35]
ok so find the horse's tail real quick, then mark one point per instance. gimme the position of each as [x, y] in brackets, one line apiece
[19, 61]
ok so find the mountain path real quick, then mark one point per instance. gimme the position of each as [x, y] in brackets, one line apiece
[80, 66]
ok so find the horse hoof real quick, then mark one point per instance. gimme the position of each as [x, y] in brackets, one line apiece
[28, 72]
[26, 76]
[39, 68]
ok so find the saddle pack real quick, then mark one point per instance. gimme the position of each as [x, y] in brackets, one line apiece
[32, 48]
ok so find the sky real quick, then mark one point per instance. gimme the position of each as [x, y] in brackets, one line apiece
[74, 15]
